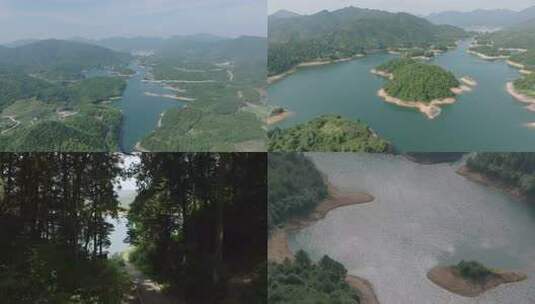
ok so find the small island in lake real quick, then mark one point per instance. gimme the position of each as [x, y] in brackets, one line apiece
[277, 115]
[471, 278]
[327, 133]
[422, 86]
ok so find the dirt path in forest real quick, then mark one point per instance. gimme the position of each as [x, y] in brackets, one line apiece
[146, 291]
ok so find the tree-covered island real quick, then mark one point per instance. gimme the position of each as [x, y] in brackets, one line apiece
[419, 85]
[327, 133]
[471, 278]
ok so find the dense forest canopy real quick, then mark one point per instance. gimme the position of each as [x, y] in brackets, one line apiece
[327, 133]
[394, 64]
[303, 281]
[515, 169]
[199, 224]
[295, 186]
[347, 32]
[54, 232]
[419, 81]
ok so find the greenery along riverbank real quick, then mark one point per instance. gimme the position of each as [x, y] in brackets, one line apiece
[516, 170]
[327, 133]
[303, 281]
[295, 188]
[225, 80]
[525, 85]
[51, 106]
[414, 81]
[54, 232]
[348, 32]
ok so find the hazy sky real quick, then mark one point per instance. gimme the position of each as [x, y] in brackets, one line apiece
[420, 7]
[22, 19]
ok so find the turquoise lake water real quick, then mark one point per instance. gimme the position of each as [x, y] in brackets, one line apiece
[141, 113]
[486, 119]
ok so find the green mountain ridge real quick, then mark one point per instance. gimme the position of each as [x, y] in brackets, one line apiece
[347, 32]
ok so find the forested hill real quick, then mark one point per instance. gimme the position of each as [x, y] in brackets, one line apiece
[482, 17]
[346, 32]
[514, 169]
[59, 59]
[518, 36]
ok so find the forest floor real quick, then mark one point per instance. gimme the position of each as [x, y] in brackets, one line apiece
[145, 290]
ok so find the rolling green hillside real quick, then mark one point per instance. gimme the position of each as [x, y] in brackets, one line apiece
[347, 32]
[224, 77]
[59, 59]
[518, 36]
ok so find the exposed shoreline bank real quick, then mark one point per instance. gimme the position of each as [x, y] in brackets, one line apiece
[277, 118]
[449, 278]
[487, 57]
[530, 101]
[487, 181]
[320, 62]
[279, 250]
[523, 69]
[430, 109]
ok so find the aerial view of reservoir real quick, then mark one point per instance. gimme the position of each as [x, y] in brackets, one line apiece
[485, 119]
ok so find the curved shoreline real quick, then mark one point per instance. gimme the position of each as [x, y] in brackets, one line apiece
[279, 250]
[275, 119]
[487, 181]
[319, 62]
[449, 278]
[381, 73]
[487, 57]
[519, 66]
[521, 97]
[430, 109]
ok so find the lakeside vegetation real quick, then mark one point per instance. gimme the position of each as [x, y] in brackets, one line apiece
[473, 270]
[303, 281]
[527, 59]
[414, 81]
[514, 169]
[491, 51]
[525, 85]
[295, 186]
[327, 133]
[348, 32]
[54, 232]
